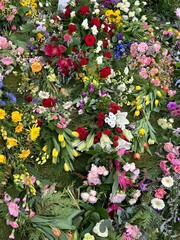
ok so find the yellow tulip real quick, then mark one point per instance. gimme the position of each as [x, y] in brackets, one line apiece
[75, 134]
[54, 152]
[156, 102]
[66, 167]
[61, 137]
[138, 88]
[159, 94]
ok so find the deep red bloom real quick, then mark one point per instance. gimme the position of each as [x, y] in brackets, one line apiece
[124, 138]
[54, 39]
[96, 140]
[119, 130]
[64, 63]
[101, 115]
[48, 102]
[114, 108]
[105, 72]
[67, 12]
[96, 22]
[107, 54]
[99, 134]
[84, 10]
[89, 40]
[71, 28]
[56, 18]
[51, 50]
[116, 138]
[39, 122]
[115, 144]
[107, 132]
[83, 61]
[83, 133]
[100, 123]
[28, 98]
[105, 43]
[75, 65]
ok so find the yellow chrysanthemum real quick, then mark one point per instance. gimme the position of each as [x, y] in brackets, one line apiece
[2, 159]
[11, 142]
[2, 114]
[19, 128]
[24, 154]
[34, 133]
[141, 131]
[16, 116]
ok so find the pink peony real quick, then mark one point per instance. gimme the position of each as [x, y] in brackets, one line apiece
[168, 146]
[159, 193]
[7, 60]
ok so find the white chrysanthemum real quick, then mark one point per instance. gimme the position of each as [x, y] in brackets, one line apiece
[43, 94]
[111, 120]
[167, 181]
[121, 87]
[157, 203]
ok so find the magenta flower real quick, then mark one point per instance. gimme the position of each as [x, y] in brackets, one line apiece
[124, 181]
[13, 209]
[164, 168]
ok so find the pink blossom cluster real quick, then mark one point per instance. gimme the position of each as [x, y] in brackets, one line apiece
[89, 197]
[172, 159]
[95, 173]
[132, 232]
[7, 12]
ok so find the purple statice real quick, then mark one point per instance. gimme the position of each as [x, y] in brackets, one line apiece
[11, 97]
[41, 28]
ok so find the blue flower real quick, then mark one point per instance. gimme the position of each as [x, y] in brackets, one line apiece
[11, 97]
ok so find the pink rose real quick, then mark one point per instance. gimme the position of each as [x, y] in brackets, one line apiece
[67, 38]
[159, 193]
[170, 156]
[142, 47]
[164, 168]
[177, 169]
[20, 50]
[168, 146]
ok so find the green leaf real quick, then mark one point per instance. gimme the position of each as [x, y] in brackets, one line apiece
[115, 184]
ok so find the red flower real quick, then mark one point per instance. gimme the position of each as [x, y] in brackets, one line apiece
[105, 43]
[83, 61]
[67, 12]
[107, 132]
[89, 40]
[101, 116]
[124, 138]
[51, 50]
[71, 28]
[39, 122]
[56, 18]
[116, 138]
[83, 133]
[96, 140]
[64, 63]
[96, 22]
[54, 39]
[119, 130]
[115, 144]
[114, 108]
[107, 54]
[48, 102]
[99, 134]
[105, 72]
[28, 98]
[84, 10]
[100, 123]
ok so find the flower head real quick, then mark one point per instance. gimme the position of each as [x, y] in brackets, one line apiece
[157, 203]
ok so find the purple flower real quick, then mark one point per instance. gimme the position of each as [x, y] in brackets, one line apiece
[119, 36]
[3, 103]
[41, 28]
[11, 97]
[171, 105]
[143, 187]
[91, 88]
[84, 94]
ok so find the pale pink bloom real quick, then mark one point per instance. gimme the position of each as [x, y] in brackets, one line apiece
[165, 53]
[142, 47]
[14, 11]
[177, 12]
[13, 209]
[12, 236]
[20, 50]
[67, 38]
[143, 73]
[33, 179]
[54, 117]
[157, 47]
[10, 17]
[92, 199]
[117, 198]
[24, 199]
[93, 193]
[154, 71]
[177, 169]
[27, 209]
[7, 60]
[93, 179]
[32, 214]
[85, 196]
[156, 82]
[2, 7]
[7, 197]
[121, 151]
[171, 93]
[16, 200]
[129, 167]
[164, 168]
[13, 28]
[175, 150]
[168, 146]
[165, 32]
[126, 236]
[159, 193]
[101, 170]
[133, 49]
[133, 230]
[170, 156]
[4, 43]
[63, 120]
[59, 125]
[13, 224]
[147, 60]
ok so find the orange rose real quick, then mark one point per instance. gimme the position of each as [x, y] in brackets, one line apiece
[36, 67]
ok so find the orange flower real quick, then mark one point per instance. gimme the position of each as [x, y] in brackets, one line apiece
[36, 67]
[19, 128]
[56, 232]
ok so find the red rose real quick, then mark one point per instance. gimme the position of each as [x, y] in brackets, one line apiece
[96, 140]
[67, 12]
[83, 133]
[39, 122]
[48, 102]
[105, 43]
[114, 108]
[89, 40]
[105, 72]
[100, 123]
[116, 138]
[28, 98]
[83, 61]
[71, 28]
[101, 116]
[107, 54]
[98, 134]
[56, 18]
[115, 144]
[96, 22]
[84, 10]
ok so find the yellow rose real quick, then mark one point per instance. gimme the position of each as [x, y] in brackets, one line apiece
[16, 116]
[36, 67]
[2, 159]
[2, 114]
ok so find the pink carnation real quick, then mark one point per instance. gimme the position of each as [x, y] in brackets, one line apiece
[164, 168]
[10, 17]
[168, 146]
[177, 169]
[143, 73]
[4, 43]
[159, 193]
[7, 60]
[142, 47]
[170, 156]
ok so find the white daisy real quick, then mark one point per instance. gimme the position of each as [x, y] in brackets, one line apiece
[157, 203]
[167, 181]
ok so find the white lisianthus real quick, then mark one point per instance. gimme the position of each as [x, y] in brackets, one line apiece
[157, 203]
[96, 230]
[121, 119]
[85, 24]
[127, 133]
[99, 59]
[94, 30]
[167, 181]
[43, 94]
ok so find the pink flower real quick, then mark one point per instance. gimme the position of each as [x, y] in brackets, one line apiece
[143, 73]
[7, 197]
[164, 168]
[67, 38]
[4, 43]
[13, 209]
[168, 146]
[12, 236]
[32, 214]
[156, 82]
[121, 152]
[33, 179]
[102, 171]
[85, 196]
[170, 156]
[7, 60]
[13, 28]
[54, 117]
[177, 169]
[159, 193]
[154, 71]
[20, 50]
[133, 230]
[92, 199]
[142, 47]
[175, 150]
[13, 224]
[126, 236]
[93, 193]
[2, 7]
[175, 162]
[177, 12]
[133, 49]
[171, 93]
[124, 181]
[14, 11]
[10, 17]
[157, 47]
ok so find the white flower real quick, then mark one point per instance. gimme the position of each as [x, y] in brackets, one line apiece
[121, 120]
[72, 14]
[96, 230]
[132, 201]
[88, 236]
[111, 120]
[129, 167]
[85, 24]
[99, 59]
[157, 203]
[137, 3]
[123, 144]
[122, 87]
[94, 30]
[167, 181]
[143, 18]
[43, 94]
[105, 142]
[96, 11]
[131, 14]
[137, 194]
[127, 133]
[126, 70]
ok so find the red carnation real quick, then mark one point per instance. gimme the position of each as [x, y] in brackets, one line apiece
[89, 40]
[100, 123]
[83, 133]
[84, 10]
[105, 72]
[96, 22]
[107, 54]
[48, 102]
[105, 43]
[101, 116]
[98, 134]
[71, 28]
[107, 132]
[114, 108]
[83, 61]
[51, 50]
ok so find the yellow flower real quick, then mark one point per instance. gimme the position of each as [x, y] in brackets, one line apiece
[36, 67]
[156, 102]
[2, 114]
[16, 116]
[136, 113]
[11, 142]
[66, 167]
[159, 94]
[19, 128]
[141, 131]
[52, 77]
[39, 36]
[24, 154]
[139, 107]
[108, 13]
[63, 144]
[34, 133]
[61, 137]
[75, 134]
[54, 152]
[2, 159]
[138, 88]
[44, 148]
[75, 153]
